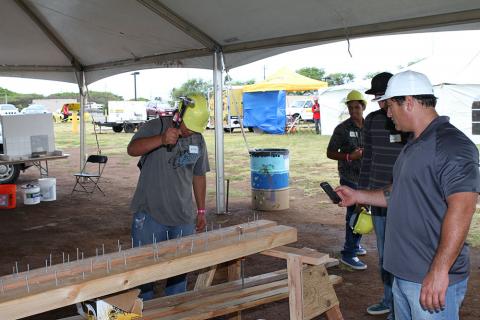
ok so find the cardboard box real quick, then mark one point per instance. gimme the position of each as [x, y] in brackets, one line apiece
[124, 306]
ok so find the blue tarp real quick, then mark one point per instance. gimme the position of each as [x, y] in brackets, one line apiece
[265, 110]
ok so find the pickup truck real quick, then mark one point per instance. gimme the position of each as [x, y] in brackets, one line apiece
[300, 108]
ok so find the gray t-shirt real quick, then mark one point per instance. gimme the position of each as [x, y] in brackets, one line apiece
[440, 162]
[164, 188]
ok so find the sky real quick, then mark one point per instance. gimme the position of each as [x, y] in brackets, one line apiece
[373, 54]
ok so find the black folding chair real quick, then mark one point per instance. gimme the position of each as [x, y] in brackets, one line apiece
[91, 173]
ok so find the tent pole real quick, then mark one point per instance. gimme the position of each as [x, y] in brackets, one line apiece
[83, 95]
[219, 150]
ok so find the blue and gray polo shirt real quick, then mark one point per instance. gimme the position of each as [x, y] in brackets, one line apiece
[440, 162]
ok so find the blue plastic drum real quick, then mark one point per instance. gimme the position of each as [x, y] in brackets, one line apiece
[269, 178]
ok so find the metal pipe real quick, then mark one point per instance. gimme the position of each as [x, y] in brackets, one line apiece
[219, 144]
[228, 193]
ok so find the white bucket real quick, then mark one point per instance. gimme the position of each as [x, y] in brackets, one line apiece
[48, 189]
[31, 194]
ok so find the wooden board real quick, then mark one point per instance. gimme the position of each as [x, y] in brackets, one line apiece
[306, 255]
[318, 293]
[145, 264]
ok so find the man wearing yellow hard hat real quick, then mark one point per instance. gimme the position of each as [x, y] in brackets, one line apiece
[173, 160]
[346, 146]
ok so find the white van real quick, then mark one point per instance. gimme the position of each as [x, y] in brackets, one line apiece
[300, 108]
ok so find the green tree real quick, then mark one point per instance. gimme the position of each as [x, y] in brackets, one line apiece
[339, 78]
[241, 83]
[370, 75]
[191, 87]
[102, 97]
[312, 72]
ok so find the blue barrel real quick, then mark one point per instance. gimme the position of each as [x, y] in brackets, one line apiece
[269, 178]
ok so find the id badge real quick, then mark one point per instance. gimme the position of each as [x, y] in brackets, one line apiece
[395, 138]
[192, 149]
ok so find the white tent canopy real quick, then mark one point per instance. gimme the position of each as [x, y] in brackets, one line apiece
[49, 39]
[82, 41]
[463, 68]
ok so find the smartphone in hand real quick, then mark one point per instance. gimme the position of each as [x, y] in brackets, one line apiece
[329, 191]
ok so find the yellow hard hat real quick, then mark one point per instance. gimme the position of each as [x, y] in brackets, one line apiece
[196, 116]
[355, 95]
[363, 223]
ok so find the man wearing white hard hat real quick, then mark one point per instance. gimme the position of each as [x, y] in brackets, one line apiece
[431, 202]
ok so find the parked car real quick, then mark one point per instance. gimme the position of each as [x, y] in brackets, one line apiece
[157, 109]
[301, 109]
[35, 108]
[7, 109]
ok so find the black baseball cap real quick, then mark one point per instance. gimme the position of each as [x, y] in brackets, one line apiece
[379, 83]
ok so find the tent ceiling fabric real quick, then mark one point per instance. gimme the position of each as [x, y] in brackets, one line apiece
[49, 39]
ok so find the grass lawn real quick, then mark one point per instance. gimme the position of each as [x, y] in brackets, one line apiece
[308, 162]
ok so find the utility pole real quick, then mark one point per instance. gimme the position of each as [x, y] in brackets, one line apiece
[134, 74]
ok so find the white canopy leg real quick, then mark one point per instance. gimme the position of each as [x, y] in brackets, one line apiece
[219, 148]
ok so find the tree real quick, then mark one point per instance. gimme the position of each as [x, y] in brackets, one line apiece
[93, 96]
[191, 87]
[102, 97]
[312, 72]
[339, 78]
[370, 75]
[241, 83]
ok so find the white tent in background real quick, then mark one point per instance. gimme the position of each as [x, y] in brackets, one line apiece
[333, 109]
[455, 101]
[456, 84]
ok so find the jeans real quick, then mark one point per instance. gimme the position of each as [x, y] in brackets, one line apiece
[318, 125]
[406, 297]
[352, 240]
[379, 223]
[144, 228]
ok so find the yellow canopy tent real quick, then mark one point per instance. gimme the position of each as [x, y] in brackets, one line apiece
[264, 103]
[285, 80]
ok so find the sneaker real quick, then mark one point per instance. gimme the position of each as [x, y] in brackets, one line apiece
[354, 263]
[378, 308]
[360, 251]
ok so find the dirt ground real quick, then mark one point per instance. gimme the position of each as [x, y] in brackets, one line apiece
[30, 233]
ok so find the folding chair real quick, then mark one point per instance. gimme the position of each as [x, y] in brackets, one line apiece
[85, 179]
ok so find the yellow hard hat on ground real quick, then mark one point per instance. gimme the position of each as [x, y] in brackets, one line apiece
[196, 116]
[355, 95]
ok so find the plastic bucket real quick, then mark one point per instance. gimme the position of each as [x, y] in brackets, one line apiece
[31, 194]
[269, 179]
[48, 189]
[8, 196]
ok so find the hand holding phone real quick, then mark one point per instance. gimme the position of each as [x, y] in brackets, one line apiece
[330, 192]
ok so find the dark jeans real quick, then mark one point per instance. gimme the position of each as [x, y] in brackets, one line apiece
[379, 216]
[352, 240]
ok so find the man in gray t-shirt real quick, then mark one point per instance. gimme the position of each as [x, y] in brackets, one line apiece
[173, 160]
[436, 181]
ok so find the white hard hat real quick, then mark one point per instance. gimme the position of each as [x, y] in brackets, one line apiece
[407, 83]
